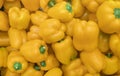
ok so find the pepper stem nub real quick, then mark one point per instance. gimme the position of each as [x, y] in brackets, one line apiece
[117, 12]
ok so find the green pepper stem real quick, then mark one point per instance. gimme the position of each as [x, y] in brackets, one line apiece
[117, 12]
[36, 67]
[69, 7]
[51, 3]
[43, 63]
[109, 55]
[17, 66]
[42, 49]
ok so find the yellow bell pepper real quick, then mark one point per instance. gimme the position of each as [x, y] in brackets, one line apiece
[1, 3]
[108, 16]
[62, 11]
[49, 63]
[38, 17]
[85, 35]
[16, 62]
[9, 4]
[103, 42]
[9, 73]
[33, 70]
[16, 37]
[75, 68]
[3, 57]
[64, 50]
[88, 74]
[4, 25]
[93, 60]
[4, 39]
[33, 33]
[19, 18]
[114, 44]
[70, 25]
[32, 5]
[34, 50]
[52, 30]
[54, 72]
[92, 5]
[111, 61]
[77, 8]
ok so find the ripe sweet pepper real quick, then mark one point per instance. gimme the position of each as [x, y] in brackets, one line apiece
[92, 5]
[4, 25]
[38, 17]
[34, 50]
[75, 68]
[16, 37]
[64, 50]
[54, 72]
[108, 15]
[114, 44]
[110, 61]
[3, 57]
[49, 63]
[103, 42]
[93, 60]
[85, 35]
[16, 62]
[9, 73]
[33, 70]
[62, 11]
[31, 5]
[77, 8]
[52, 30]
[19, 18]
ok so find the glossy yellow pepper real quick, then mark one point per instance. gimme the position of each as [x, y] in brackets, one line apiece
[9, 73]
[19, 18]
[54, 72]
[16, 62]
[92, 5]
[4, 24]
[85, 35]
[111, 61]
[32, 5]
[93, 60]
[16, 37]
[34, 50]
[108, 16]
[77, 8]
[88, 74]
[75, 68]
[70, 25]
[1, 3]
[9, 4]
[38, 17]
[62, 11]
[103, 42]
[114, 44]
[33, 33]
[4, 39]
[52, 30]
[3, 57]
[33, 70]
[64, 50]
[49, 63]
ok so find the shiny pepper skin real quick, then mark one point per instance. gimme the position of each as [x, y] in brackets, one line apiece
[34, 50]
[62, 11]
[33, 70]
[85, 35]
[93, 60]
[3, 57]
[19, 18]
[64, 50]
[4, 24]
[52, 30]
[16, 62]
[9, 73]
[108, 16]
[16, 37]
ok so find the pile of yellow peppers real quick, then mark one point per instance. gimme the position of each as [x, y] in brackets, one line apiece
[59, 37]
